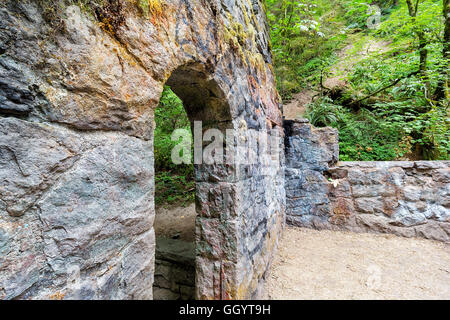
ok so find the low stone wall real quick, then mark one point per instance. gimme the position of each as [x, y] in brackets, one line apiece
[405, 198]
[174, 270]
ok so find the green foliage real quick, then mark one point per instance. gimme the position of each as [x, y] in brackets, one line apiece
[304, 39]
[435, 135]
[174, 183]
[174, 188]
[364, 135]
[323, 112]
[169, 116]
[408, 107]
[400, 26]
[356, 13]
[401, 119]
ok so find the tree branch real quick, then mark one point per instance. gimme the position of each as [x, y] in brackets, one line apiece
[388, 86]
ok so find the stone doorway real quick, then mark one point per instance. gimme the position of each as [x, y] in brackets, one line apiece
[176, 222]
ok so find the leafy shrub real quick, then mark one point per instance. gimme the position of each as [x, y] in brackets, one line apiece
[323, 112]
[305, 36]
[356, 14]
[435, 135]
[174, 188]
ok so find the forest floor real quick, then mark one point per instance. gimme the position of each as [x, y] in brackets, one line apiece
[341, 265]
[313, 264]
[176, 222]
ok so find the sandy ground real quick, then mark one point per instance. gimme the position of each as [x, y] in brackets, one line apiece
[314, 264]
[176, 222]
[296, 109]
[338, 265]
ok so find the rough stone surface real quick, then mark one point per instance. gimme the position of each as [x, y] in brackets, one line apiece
[78, 89]
[405, 198]
[174, 270]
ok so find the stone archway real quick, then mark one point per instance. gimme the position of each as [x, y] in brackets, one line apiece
[207, 108]
[76, 141]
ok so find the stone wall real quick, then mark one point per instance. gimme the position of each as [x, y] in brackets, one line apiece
[174, 270]
[410, 199]
[78, 89]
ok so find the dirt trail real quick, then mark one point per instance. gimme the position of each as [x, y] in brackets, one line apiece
[296, 109]
[176, 222]
[314, 264]
[338, 265]
[348, 57]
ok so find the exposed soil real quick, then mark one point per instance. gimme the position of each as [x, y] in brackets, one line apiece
[176, 222]
[325, 264]
[297, 107]
[339, 265]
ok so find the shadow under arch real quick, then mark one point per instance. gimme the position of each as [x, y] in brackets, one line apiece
[204, 101]
[202, 97]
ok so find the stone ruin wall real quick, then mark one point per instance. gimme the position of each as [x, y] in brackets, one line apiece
[405, 198]
[174, 270]
[78, 89]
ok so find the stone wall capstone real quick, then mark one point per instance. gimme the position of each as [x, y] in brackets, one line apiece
[405, 198]
[78, 89]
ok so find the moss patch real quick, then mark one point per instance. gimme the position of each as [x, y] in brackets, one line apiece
[243, 41]
[151, 7]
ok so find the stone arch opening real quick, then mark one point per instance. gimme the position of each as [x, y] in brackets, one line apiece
[176, 277]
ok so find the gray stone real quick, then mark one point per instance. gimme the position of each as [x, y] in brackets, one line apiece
[369, 205]
[406, 218]
[402, 197]
[77, 103]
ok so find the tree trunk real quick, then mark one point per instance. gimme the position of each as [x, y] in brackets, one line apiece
[442, 88]
[423, 52]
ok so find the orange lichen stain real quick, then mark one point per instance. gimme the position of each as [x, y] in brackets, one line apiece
[106, 26]
[121, 51]
[341, 212]
[57, 296]
[253, 86]
[154, 10]
[127, 97]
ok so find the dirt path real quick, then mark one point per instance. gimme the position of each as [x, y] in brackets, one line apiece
[337, 265]
[176, 222]
[296, 109]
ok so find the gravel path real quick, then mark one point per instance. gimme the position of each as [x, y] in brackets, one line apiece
[338, 265]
